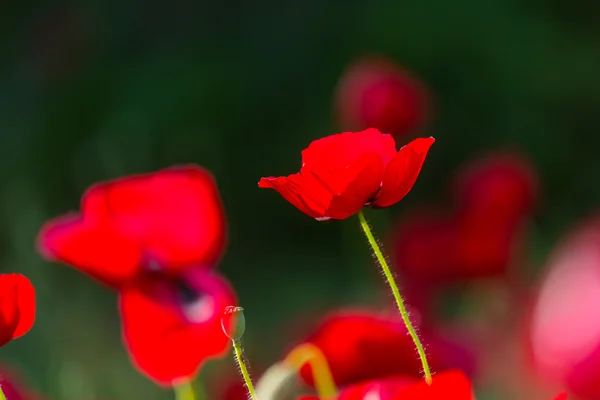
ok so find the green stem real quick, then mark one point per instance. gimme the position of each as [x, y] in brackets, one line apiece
[239, 356]
[183, 391]
[2, 396]
[399, 302]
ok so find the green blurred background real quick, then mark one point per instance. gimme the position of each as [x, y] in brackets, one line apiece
[94, 90]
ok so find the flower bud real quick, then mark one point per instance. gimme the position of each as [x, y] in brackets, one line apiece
[233, 322]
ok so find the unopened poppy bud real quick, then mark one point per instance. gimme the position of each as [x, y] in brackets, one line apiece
[233, 322]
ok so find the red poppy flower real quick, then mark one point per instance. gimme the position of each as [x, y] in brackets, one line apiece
[373, 92]
[564, 326]
[342, 173]
[447, 385]
[172, 324]
[17, 307]
[167, 219]
[360, 346]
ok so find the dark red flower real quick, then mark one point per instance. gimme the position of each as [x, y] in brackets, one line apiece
[502, 187]
[168, 219]
[376, 93]
[172, 324]
[360, 345]
[342, 173]
[17, 306]
[564, 325]
[482, 235]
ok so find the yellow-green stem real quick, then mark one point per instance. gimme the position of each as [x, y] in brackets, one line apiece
[239, 356]
[396, 292]
[2, 396]
[310, 354]
[184, 391]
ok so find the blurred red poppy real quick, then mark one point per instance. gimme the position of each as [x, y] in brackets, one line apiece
[17, 306]
[342, 173]
[482, 235]
[564, 325]
[447, 385]
[360, 345]
[155, 238]
[375, 93]
[172, 324]
[163, 220]
[502, 187]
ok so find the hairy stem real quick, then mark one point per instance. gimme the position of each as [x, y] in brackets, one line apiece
[239, 356]
[396, 292]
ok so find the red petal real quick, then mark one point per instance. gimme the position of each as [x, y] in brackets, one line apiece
[98, 250]
[344, 148]
[17, 306]
[164, 344]
[562, 396]
[402, 172]
[384, 389]
[360, 345]
[361, 181]
[175, 213]
[450, 385]
[304, 192]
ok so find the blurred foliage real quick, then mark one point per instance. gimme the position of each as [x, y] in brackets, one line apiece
[93, 90]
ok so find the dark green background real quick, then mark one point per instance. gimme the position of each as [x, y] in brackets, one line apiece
[99, 89]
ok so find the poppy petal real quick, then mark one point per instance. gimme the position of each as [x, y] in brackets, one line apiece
[448, 385]
[402, 172]
[98, 250]
[26, 303]
[169, 340]
[17, 306]
[302, 191]
[361, 180]
[562, 396]
[176, 213]
[344, 148]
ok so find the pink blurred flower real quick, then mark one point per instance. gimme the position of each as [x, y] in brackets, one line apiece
[564, 326]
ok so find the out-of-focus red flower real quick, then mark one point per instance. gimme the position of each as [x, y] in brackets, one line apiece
[235, 390]
[564, 327]
[359, 346]
[562, 396]
[482, 235]
[172, 324]
[342, 173]
[501, 188]
[13, 386]
[425, 246]
[17, 307]
[155, 238]
[376, 93]
[447, 385]
[166, 220]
